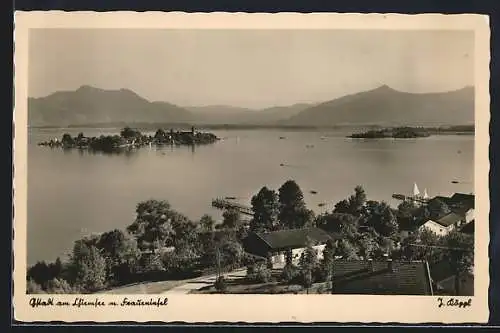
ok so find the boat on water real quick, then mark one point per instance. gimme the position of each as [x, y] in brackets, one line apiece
[414, 196]
[282, 137]
[230, 198]
[416, 191]
[321, 204]
[313, 192]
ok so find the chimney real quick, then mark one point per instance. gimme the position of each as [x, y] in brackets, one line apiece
[390, 265]
[370, 265]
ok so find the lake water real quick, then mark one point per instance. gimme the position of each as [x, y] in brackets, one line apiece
[72, 194]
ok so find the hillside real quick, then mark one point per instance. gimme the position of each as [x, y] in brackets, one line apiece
[388, 107]
[92, 105]
[382, 106]
[223, 114]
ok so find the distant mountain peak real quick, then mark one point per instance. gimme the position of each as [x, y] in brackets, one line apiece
[87, 87]
[89, 104]
[385, 87]
[385, 105]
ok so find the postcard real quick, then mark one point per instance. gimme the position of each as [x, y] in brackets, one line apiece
[260, 168]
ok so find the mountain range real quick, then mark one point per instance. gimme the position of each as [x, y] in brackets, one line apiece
[380, 106]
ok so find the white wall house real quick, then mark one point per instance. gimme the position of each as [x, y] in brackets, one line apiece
[276, 244]
[280, 258]
[469, 215]
[445, 224]
[437, 228]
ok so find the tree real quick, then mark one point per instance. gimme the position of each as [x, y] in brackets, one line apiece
[346, 250]
[437, 208]
[121, 254]
[388, 224]
[367, 244]
[308, 262]
[153, 226]
[231, 253]
[460, 255]
[258, 273]
[357, 201]
[151, 263]
[407, 213]
[379, 215]
[342, 207]
[421, 252]
[327, 261]
[39, 273]
[67, 139]
[89, 266]
[128, 133]
[59, 286]
[265, 207]
[33, 288]
[160, 134]
[337, 222]
[231, 218]
[293, 212]
[207, 223]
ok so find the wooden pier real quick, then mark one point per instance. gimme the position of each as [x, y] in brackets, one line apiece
[220, 203]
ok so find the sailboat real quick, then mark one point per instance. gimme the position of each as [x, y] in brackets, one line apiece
[416, 191]
[426, 196]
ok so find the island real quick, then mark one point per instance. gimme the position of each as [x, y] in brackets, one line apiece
[414, 132]
[131, 138]
[397, 133]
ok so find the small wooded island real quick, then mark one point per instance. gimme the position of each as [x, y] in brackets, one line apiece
[130, 138]
[413, 132]
[400, 133]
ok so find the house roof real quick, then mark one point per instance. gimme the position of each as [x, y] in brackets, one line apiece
[449, 219]
[294, 238]
[459, 202]
[468, 228]
[407, 278]
[463, 199]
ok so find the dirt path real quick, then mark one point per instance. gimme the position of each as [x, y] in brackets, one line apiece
[204, 281]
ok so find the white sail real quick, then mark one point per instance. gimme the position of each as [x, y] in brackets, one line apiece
[416, 192]
[426, 196]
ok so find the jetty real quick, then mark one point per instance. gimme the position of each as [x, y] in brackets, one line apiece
[415, 196]
[221, 203]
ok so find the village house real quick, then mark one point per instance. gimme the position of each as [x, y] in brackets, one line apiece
[381, 277]
[461, 213]
[468, 228]
[276, 244]
[443, 225]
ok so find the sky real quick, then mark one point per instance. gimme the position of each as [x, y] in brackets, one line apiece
[248, 68]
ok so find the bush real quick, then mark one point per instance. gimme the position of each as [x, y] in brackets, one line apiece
[320, 275]
[34, 288]
[220, 284]
[258, 273]
[60, 286]
[290, 274]
[269, 263]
